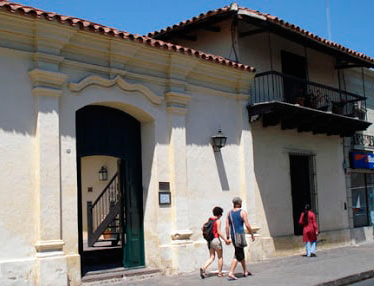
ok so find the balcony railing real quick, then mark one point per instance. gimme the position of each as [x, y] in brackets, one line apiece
[363, 140]
[275, 86]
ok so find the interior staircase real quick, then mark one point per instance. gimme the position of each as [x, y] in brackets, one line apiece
[103, 216]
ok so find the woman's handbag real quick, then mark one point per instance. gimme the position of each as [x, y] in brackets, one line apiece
[240, 240]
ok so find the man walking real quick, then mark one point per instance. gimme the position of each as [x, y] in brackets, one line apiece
[234, 224]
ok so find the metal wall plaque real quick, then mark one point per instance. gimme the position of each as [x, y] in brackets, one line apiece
[164, 198]
[164, 186]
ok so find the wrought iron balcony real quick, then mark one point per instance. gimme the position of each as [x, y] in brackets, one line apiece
[275, 86]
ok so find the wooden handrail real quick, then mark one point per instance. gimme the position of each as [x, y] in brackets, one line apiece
[104, 190]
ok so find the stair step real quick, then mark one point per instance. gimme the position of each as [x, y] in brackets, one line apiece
[108, 239]
[116, 275]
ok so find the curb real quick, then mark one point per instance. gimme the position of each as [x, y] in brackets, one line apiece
[348, 280]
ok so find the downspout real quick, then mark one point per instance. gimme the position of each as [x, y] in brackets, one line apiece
[234, 38]
[234, 31]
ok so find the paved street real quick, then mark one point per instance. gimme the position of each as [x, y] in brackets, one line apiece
[329, 266]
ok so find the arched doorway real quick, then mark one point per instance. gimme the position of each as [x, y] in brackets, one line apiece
[107, 136]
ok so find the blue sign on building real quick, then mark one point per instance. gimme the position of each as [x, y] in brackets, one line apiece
[362, 161]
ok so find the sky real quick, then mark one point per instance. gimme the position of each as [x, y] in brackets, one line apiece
[351, 21]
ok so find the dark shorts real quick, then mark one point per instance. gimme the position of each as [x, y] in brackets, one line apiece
[239, 253]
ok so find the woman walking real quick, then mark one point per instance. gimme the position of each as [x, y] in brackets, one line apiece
[310, 231]
[215, 245]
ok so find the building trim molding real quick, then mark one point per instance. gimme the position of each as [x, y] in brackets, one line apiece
[120, 82]
[49, 245]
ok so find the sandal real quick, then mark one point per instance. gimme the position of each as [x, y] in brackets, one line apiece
[202, 273]
[232, 277]
[220, 274]
[247, 273]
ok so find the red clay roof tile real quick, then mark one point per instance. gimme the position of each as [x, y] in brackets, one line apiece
[270, 18]
[13, 7]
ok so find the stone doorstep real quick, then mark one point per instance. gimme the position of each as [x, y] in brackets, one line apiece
[102, 277]
[348, 280]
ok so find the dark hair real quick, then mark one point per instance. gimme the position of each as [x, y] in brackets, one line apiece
[217, 211]
[307, 208]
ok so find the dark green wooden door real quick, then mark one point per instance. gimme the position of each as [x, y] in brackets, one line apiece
[133, 250]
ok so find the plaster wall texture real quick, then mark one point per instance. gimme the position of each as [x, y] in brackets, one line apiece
[254, 50]
[17, 171]
[271, 149]
[157, 143]
[156, 126]
[222, 41]
[30, 125]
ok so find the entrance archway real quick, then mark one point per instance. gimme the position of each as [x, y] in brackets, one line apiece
[105, 135]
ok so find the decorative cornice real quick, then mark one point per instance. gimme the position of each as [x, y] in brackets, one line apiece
[47, 58]
[177, 102]
[49, 245]
[46, 91]
[177, 98]
[180, 68]
[100, 81]
[44, 78]
[51, 40]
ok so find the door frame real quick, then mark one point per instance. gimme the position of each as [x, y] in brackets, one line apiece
[312, 189]
[129, 136]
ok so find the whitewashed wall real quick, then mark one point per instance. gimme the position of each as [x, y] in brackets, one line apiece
[254, 50]
[271, 149]
[17, 171]
[179, 100]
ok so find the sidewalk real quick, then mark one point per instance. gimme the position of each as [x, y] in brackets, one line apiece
[329, 268]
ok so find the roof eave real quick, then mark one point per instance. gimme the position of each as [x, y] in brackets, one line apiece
[263, 20]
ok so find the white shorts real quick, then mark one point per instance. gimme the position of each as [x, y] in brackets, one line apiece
[216, 244]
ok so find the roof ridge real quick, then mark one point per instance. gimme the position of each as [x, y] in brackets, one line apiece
[13, 7]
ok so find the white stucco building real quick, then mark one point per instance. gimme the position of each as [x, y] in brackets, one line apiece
[105, 131]
[310, 98]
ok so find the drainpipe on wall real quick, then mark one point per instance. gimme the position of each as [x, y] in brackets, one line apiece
[234, 38]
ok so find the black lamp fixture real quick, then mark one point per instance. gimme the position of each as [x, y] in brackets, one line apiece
[103, 173]
[218, 141]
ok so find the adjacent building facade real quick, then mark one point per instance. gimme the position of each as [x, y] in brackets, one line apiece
[106, 141]
[309, 99]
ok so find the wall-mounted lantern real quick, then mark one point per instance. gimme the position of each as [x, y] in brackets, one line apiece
[103, 173]
[218, 141]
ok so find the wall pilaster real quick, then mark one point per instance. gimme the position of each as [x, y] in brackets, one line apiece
[51, 262]
[177, 110]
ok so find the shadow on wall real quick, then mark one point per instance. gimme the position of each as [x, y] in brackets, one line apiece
[221, 171]
[21, 119]
[271, 169]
